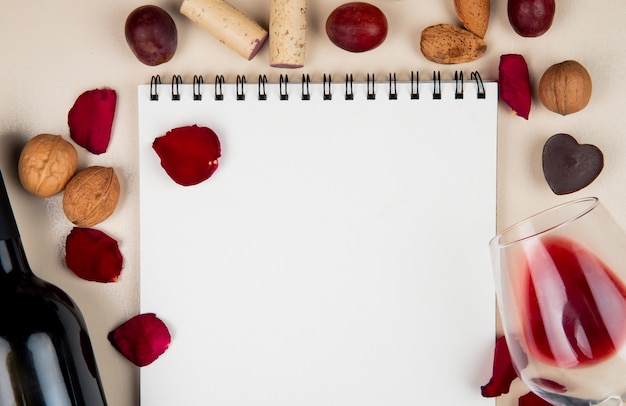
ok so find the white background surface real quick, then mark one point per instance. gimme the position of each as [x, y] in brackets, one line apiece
[52, 51]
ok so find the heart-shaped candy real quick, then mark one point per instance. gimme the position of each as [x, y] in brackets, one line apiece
[569, 166]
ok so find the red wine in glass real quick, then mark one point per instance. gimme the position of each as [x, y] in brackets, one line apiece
[561, 284]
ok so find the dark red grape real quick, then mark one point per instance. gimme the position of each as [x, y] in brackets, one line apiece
[357, 26]
[531, 18]
[151, 34]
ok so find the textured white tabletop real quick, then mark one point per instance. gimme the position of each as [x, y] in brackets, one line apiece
[52, 51]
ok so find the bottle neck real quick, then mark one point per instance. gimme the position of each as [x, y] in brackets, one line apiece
[12, 257]
[8, 226]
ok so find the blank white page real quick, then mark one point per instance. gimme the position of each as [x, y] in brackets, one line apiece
[338, 255]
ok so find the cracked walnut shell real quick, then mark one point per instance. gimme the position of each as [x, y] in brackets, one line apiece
[47, 162]
[91, 196]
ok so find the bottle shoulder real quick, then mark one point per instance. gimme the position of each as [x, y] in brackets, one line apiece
[38, 286]
[32, 286]
[35, 304]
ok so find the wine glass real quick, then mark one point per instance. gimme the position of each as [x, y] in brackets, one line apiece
[561, 288]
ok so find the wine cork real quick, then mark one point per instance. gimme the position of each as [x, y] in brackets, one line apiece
[287, 33]
[226, 23]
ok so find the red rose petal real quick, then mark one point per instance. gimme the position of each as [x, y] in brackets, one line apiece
[91, 118]
[188, 154]
[531, 399]
[503, 372]
[93, 255]
[515, 84]
[142, 339]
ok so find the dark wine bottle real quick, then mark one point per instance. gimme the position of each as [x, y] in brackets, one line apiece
[46, 358]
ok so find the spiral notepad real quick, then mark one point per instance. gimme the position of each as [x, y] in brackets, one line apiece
[338, 255]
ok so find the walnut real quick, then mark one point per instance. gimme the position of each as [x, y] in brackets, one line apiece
[565, 87]
[91, 196]
[46, 164]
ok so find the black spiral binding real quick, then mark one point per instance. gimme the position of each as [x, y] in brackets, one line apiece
[393, 91]
[306, 80]
[262, 83]
[371, 93]
[284, 95]
[241, 93]
[219, 82]
[480, 86]
[415, 93]
[176, 82]
[198, 81]
[349, 92]
[436, 85]
[458, 81]
[328, 95]
[154, 83]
